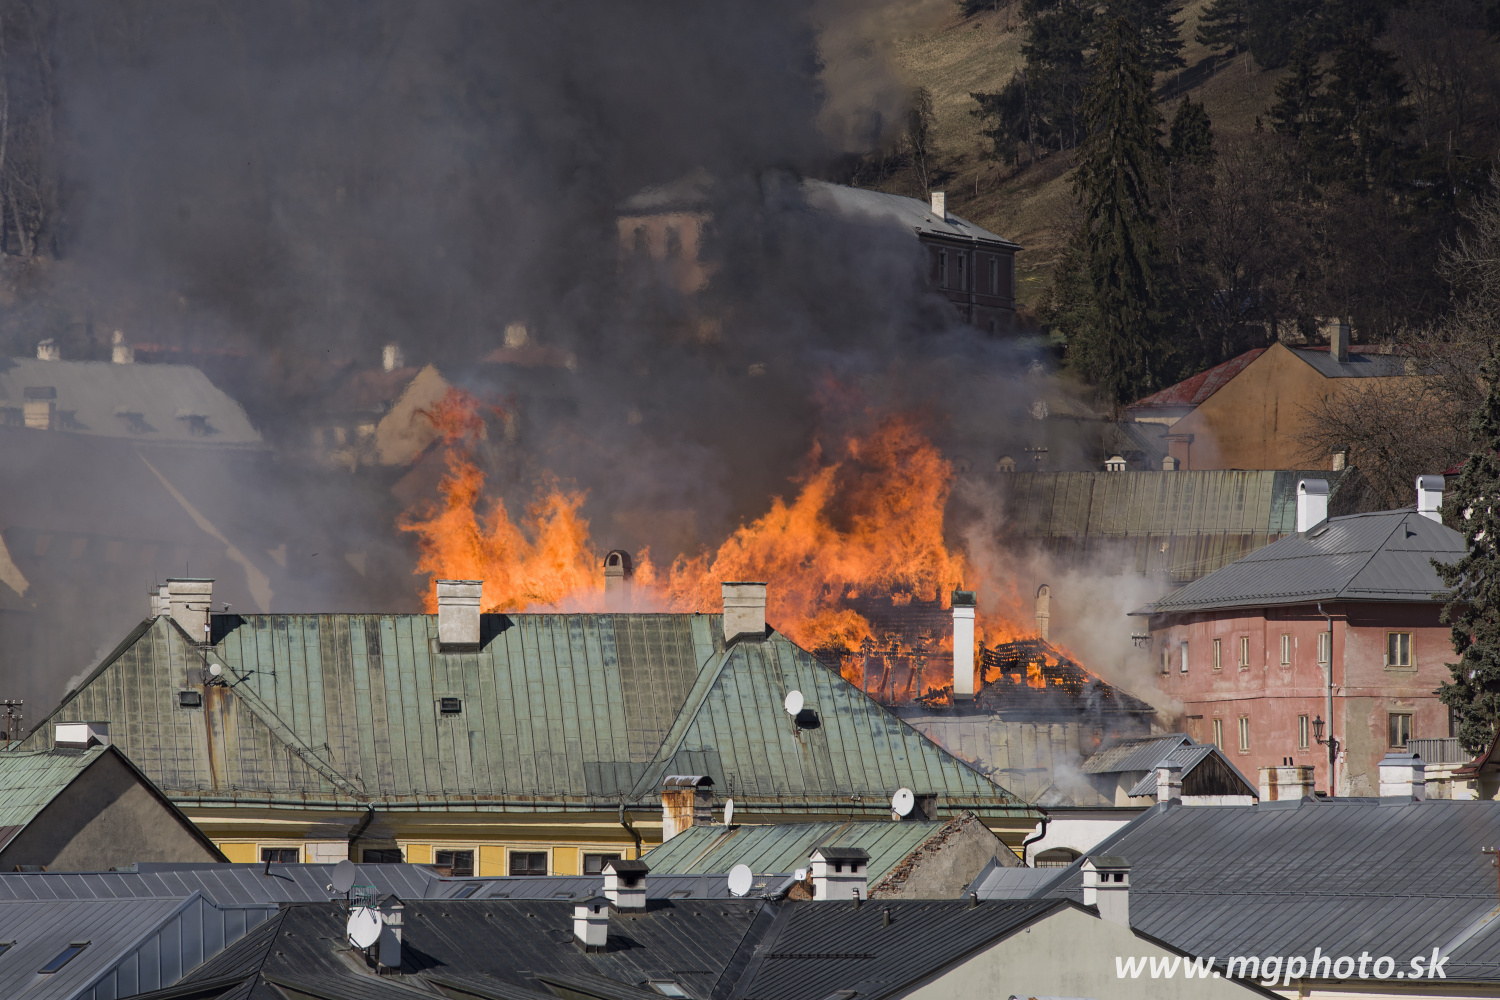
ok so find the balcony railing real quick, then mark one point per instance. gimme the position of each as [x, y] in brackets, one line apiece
[1443, 751]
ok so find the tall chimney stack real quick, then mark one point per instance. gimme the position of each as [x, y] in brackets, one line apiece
[1043, 611]
[1338, 341]
[963, 645]
[744, 611]
[391, 357]
[618, 572]
[1430, 497]
[458, 614]
[940, 204]
[188, 602]
[1312, 503]
[121, 353]
[686, 800]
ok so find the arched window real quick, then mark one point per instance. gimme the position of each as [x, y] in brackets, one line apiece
[1057, 857]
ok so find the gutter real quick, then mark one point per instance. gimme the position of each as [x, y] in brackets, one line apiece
[1039, 835]
[625, 822]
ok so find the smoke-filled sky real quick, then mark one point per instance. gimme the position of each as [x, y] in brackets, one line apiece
[304, 182]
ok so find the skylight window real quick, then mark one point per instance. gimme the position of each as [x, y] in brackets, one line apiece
[667, 988]
[65, 956]
[5, 946]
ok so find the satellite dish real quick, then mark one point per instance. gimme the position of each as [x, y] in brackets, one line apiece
[740, 877]
[343, 875]
[215, 670]
[800, 875]
[728, 812]
[902, 802]
[364, 927]
[793, 702]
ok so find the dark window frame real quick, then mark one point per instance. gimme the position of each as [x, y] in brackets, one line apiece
[591, 866]
[455, 869]
[72, 951]
[526, 868]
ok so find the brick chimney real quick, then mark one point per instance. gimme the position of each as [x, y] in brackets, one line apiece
[189, 601]
[1106, 884]
[1403, 775]
[625, 884]
[839, 872]
[618, 572]
[1430, 497]
[1285, 781]
[1338, 340]
[458, 614]
[686, 800]
[1312, 503]
[744, 611]
[963, 645]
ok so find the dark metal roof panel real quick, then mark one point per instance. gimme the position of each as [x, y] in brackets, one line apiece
[1135, 755]
[785, 847]
[1281, 878]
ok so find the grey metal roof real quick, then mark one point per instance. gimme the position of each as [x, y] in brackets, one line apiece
[1363, 364]
[785, 847]
[29, 780]
[133, 945]
[1188, 758]
[147, 403]
[1383, 556]
[1387, 876]
[558, 712]
[910, 212]
[1135, 755]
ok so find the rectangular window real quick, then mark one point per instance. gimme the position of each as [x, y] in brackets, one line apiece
[1325, 644]
[960, 262]
[382, 856]
[593, 864]
[1400, 729]
[942, 268]
[1218, 654]
[63, 957]
[1301, 732]
[528, 862]
[1286, 649]
[994, 275]
[1244, 652]
[1166, 659]
[1219, 733]
[281, 855]
[1244, 734]
[1184, 657]
[1398, 649]
[460, 864]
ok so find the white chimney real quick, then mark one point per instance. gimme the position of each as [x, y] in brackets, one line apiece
[1312, 503]
[591, 923]
[1338, 341]
[121, 352]
[391, 358]
[160, 604]
[48, 350]
[686, 800]
[39, 406]
[1168, 782]
[839, 872]
[1043, 611]
[80, 735]
[1285, 781]
[393, 916]
[1403, 775]
[625, 884]
[618, 572]
[1430, 497]
[189, 602]
[1169, 463]
[744, 611]
[1106, 884]
[940, 204]
[458, 614]
[963, 645]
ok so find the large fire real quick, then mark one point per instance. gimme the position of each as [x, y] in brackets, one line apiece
[864, 531]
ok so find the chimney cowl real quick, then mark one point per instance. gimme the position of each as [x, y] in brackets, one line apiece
[190, 603]
[744, 611]
[1106, 884]
[963, 644]
[1312, 503]
[458, 614]
[839, 872]
[1430, 497]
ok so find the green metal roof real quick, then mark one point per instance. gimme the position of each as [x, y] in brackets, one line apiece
[780, 848]
[557, 712]
[30, 779]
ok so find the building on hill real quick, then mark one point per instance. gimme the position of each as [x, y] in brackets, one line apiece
[1336, 626]
[1252, 411]
[377, 417]
[492, 744]
[927, 859]
[1347, 879]
[88, 808]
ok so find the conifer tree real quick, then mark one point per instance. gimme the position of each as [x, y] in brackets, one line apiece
[1158, 33]
[1191, 142]
[1223, 25]
[1298, 95]
[1119, 165]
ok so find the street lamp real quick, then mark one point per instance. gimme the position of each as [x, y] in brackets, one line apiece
[1332, 745]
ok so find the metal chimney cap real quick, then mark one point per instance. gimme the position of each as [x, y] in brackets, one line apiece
[963, 599]
[1314, 487]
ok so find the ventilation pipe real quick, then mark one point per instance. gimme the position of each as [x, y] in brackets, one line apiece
[458, 614]
[963, 645]
[1312, 503]
[744, 611]
[1430, 497]
[1106, 884]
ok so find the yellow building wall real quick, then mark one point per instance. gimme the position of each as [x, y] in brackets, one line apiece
[417, 854]
[240, 854]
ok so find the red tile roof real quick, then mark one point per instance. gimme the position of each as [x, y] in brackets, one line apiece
[1192, 391]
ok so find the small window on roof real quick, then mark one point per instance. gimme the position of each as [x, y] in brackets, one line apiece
[451, 706]
[667, 988]
[5, 946]
[680, 894]
[190, 699]
[64, 957]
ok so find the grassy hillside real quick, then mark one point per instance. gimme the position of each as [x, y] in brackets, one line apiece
[1035, 205]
